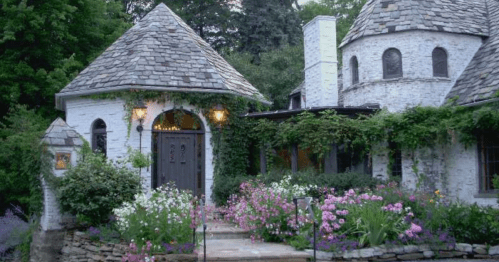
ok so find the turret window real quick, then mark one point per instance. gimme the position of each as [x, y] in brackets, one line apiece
[99, 137]
[392, 63]
[354, 65]
[439, 57]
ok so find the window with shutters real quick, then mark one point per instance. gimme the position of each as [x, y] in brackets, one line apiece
[392, 64]
[439, 57]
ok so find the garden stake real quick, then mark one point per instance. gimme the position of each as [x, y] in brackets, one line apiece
[309, 206]
[295, 200]
[204, 228]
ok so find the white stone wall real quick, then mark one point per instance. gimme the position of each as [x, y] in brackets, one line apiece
[463, 175]
[52, 219]
[417, 86]
[81, 114]
[321, 73]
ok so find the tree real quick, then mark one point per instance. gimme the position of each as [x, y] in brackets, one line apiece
[277, 74]
[44, 43]
[345, 11]
[264, 25]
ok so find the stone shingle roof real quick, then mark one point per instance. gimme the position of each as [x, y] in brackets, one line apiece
[60, 134]
[387, 16]
[162, 53]
[480, 80]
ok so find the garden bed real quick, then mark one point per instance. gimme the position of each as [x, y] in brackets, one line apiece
[410, 252]
[78, 247]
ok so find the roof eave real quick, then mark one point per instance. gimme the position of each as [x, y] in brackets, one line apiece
[61, 97]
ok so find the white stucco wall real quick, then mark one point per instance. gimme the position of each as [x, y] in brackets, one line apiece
[52, 219]
[321, 73]
[81, 114]
[417, 86]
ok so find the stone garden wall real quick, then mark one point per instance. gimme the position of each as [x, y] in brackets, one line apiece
[410, 252]
[77, 247]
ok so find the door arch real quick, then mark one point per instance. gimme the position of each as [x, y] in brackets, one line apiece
[178, 151]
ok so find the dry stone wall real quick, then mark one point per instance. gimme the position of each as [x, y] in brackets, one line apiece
[410, 252]
[77, 247]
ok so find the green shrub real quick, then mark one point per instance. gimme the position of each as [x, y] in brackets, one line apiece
[341, 182]
[95, 186]
[225, 186]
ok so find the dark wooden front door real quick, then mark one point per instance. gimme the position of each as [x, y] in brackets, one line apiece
[176, 160]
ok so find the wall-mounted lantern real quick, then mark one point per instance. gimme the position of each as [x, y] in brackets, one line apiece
[219, 115]
[139, 113]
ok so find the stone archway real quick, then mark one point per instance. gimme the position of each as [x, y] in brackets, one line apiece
[178, 151]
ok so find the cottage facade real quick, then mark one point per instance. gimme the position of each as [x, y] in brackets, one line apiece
[159, 53]
[401, 53]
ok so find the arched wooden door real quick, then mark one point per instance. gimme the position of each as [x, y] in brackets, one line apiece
[178, 151]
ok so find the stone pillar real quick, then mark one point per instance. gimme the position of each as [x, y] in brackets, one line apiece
[331, 160]
[321, 63]
[61, 141]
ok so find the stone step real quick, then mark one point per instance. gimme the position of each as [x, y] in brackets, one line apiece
[222, 230]
[245, 250]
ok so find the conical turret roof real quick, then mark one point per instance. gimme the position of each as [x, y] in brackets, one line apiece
[161, 52]
[387, 16]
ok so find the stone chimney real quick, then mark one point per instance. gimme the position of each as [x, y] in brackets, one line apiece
[321, 64]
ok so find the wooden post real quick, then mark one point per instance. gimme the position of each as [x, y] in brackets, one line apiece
[331, 161]
[294, 158]
[263, 160]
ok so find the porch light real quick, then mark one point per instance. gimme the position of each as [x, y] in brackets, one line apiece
[140, 112]
[219, 115]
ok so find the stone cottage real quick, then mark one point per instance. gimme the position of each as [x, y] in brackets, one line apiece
[159, 53]
[403, 53]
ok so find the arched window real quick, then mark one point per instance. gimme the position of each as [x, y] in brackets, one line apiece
[99, 137]
[439, 57]
[354, 65]
[392, 63]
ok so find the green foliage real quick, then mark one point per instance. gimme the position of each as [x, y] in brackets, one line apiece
[139, 159]
[472, 223]
[341, 182]
[22, 160]
[225, 186]
[95, 186]
[278, 72]
[264, 25]
[43, 44]
[495, 181]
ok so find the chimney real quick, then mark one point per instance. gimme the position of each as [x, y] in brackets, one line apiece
[321, 65]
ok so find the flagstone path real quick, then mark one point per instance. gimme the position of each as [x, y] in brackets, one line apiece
[225, 242]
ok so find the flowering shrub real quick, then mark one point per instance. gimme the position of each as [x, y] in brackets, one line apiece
[167, 216]
[364, 216]
[133, 254]
[268, 212]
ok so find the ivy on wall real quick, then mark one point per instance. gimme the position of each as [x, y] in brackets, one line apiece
[415, 128]
[230, 142]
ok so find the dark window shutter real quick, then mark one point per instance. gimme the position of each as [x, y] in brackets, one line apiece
[99, 137]
[392, 64]
[354, 65]
[439, 57]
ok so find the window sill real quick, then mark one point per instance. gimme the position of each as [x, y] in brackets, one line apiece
[486, 195]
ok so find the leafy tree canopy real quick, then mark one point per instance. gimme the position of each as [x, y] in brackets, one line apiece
[43, 44]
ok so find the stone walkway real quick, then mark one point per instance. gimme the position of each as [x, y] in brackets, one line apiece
[225, 242]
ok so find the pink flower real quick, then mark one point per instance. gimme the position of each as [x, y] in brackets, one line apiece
[412, 198]
[341, 221]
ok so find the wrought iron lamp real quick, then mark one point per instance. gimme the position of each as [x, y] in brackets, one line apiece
[219, 115]
[140, 112]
